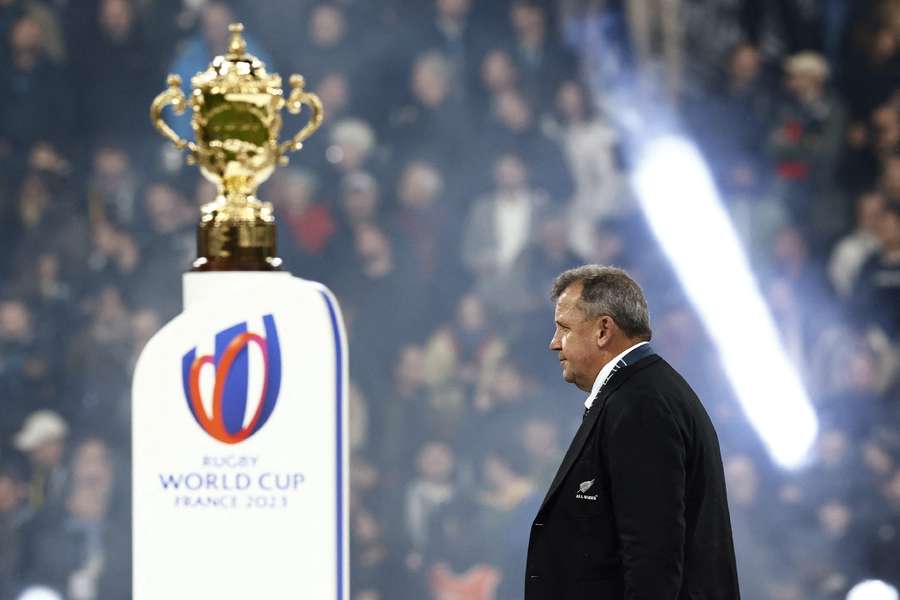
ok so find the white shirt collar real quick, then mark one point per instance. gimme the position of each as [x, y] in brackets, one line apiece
[604, 373]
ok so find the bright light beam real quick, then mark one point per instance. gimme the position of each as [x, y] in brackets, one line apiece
[683, 209]
[872, 589]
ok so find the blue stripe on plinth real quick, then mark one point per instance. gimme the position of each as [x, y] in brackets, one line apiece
[339, 374]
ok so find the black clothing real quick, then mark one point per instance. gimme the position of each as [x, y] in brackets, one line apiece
[638, 509]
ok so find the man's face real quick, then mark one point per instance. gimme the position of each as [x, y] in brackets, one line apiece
[576, 340]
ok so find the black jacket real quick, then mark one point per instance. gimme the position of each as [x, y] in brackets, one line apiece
[638, 509]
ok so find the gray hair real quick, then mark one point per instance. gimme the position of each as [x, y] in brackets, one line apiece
[608, 291]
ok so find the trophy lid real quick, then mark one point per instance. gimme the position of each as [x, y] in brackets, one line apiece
[237, 71]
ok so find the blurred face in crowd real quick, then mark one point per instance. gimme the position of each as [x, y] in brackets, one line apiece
[890, 178]
[216, 19]
[363, 475]
[869, 209]
[352, 142]
[92, 467]
[15, 321]
[105, 238]
[292, 191]
[804, 86]
[889, 230]
[886, 128]
[144, 324]
[540, 438]
[861, 372]
[790, 248]
[834, 518]
[116, 245]
[10, 493]
[555, 236]
[410, 370]
[607, 246]
[510, 174]
[431, 80]
[116, 18]
[87, 503]
[579, 341]
[509, 384]
[513, 111]
[470, 313]
[165, 208]
[498, 72]
[453, 9]
[884, 44]
[744, 64]
[34, 199]
[742, 479]
[360, 199]
[49, 454]
[111, 167]
[833, 448]
[27, 43]
[892, 489]
[528, 22]
[373, 248]
[110, 306]
[334, 92]
[436, 462]
[497, 474]
[419, 185]
[571, 102]
[327, 26]
[48, 268]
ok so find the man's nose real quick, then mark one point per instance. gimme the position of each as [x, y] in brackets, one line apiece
[554, 344]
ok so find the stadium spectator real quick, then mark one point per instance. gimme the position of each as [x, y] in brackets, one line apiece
[43, 439]
[805, 140]
[852, 251]
[878, 294]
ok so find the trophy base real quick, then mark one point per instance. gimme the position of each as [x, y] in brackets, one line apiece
[238, 238]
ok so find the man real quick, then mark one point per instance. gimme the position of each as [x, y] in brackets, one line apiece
[637, 510]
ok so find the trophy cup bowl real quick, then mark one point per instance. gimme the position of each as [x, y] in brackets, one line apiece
[236, 118]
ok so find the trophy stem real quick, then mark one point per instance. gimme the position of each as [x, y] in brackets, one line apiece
[237, 234]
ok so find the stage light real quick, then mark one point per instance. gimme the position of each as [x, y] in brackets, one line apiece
[681, 205]
[39, 592]
[872, 589]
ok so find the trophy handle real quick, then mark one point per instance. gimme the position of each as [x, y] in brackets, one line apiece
[295, 103]
[175, 97]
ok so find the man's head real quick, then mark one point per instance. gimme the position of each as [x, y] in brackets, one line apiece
[327, 26]
[869, 208]
[745, 64]
[600, 312]
[43, 438]
[806, 75]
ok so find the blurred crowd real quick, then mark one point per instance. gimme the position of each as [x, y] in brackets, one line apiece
[472, 150]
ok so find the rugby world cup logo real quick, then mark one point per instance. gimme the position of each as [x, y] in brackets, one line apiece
[231, 366]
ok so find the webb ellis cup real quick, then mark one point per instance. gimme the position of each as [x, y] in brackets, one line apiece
[236, 117]
[247, 386]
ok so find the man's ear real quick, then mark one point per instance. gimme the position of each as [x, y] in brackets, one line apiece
[604, 330]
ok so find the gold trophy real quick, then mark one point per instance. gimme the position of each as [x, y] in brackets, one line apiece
[236, 118]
